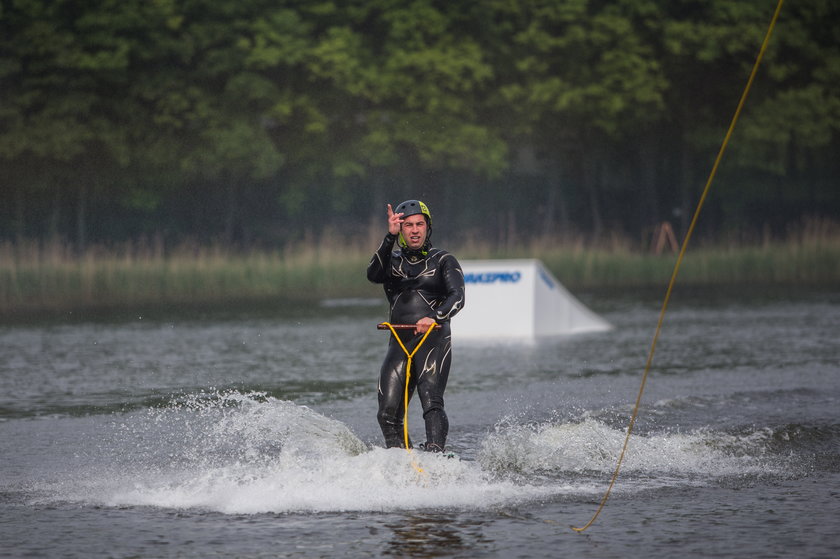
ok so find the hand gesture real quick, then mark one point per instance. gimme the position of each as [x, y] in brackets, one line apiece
[394, 221]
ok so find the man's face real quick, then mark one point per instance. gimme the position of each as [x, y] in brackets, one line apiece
[414, 231]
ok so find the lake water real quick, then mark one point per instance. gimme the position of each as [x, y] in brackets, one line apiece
[253, 434]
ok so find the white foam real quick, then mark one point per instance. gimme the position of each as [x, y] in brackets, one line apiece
[590, 445]
[245, 453]
[379, 480]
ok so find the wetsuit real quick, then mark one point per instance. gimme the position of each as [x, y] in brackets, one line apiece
[417, 286]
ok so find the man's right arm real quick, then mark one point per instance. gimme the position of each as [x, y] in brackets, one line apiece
[377, 271]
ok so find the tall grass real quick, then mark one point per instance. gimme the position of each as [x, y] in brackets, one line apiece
[35, 277]
[810, 254]
[38, 278]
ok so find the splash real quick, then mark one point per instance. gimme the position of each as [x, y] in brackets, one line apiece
[245, 453]
[590, 446]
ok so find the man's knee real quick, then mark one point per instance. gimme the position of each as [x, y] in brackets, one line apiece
[388, 416]
[434, 411]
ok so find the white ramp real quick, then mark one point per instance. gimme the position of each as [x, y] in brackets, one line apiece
[519, 299]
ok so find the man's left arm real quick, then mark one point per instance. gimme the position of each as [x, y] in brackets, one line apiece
[453, 281]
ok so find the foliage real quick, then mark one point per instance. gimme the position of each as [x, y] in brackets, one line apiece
[257, 122]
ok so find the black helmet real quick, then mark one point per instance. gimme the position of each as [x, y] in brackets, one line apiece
[415, 207]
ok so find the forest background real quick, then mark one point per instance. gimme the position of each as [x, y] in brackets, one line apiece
[264, 126]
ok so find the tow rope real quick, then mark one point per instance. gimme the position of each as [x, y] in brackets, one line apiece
[673, 280]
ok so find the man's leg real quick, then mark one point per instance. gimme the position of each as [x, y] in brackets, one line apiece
[392, 397]
[430, 387]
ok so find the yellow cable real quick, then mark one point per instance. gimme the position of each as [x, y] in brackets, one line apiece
[408, 376]
[677, 265]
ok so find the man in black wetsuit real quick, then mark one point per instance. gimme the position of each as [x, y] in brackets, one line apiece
[424, 286]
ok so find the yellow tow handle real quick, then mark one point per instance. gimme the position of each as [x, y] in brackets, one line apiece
[393, 329]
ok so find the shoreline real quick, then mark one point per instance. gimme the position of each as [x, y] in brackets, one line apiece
[52, 283]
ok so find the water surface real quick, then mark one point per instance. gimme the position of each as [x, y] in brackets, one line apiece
[254, 435]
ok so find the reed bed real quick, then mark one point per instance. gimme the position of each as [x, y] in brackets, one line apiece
[35, 277]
